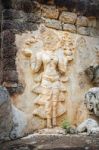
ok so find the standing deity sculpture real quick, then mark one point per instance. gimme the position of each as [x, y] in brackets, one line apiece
[50, 64]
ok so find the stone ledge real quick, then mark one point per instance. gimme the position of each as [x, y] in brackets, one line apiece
[53, 142]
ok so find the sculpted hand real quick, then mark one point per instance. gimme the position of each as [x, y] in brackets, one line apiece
[27, 52]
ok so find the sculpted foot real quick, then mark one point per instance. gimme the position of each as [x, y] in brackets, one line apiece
[49, 125]
[54, 122]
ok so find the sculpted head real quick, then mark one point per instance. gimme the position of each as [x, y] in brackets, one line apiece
[89, 101]
[92, 101]
[50, 38]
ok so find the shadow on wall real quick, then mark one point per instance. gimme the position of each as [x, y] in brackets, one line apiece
[84, 7]
[6, 4]
[26, 5]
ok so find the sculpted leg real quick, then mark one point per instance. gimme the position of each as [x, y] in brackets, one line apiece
[54, 113]
[48, 114]
[54, 106]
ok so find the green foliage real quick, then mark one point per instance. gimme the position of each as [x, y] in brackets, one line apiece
[66, 124]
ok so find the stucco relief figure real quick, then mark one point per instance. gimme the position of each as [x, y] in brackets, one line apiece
[92, 104]
[51, 90]
[49, 75]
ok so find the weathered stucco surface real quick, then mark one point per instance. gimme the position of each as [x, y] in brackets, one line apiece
[84, 55]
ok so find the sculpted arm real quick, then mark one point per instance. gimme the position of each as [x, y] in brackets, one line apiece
[36, 64]
[62, 65]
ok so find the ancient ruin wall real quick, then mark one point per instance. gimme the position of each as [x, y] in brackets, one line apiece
[78, 38]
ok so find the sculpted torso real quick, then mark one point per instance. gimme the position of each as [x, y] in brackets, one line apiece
[50, 62]
[50, 74]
